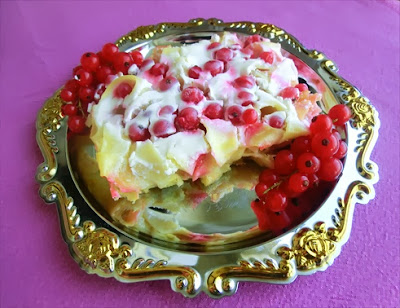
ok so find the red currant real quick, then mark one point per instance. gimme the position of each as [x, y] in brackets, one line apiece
[244, 82]
[301, 145]
[337, 134]
[192, 95]
[308, 163]
[90, 61]
[275, 200]
[76, 124]
[330, 169]
[260, 189]
[72, 85]
[268, 177]
[75, 69]
[168, 109]
[342, 151]
[313, 179]
[261, 212]
[138, 133]
[298, 182]
[320, 123]
[252, 39]
[122, 62]
[250, 116]
[324, 145]
[287, 190]
[244, 95]
[163, 128]
[167, 83]
[223, 54]
[137, 57]
[214, 111]
[83, 77]
[302, 87]
[103, 72]
[195, 72]
[109, 51]
[123, 90]
[86, 94]
[276, 121]
[213, 45]
[69, 109]
[267, 56]
[67, 95]
[248, 103]
[290, 92]
[284, 162]
[187, 119]
[339, 114]
[215, 67]
[234, 114]
[159, 69]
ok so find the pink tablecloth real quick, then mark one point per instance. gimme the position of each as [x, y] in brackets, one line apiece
[41, 42]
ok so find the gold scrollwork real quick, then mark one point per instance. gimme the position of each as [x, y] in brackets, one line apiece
[224, 280]
[49, 120]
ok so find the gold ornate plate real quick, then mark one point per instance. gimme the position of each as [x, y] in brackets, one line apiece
[102, 246]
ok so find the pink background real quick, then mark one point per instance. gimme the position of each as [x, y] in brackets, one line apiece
[40, 43]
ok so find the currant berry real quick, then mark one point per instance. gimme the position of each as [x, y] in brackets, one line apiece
[287, 190]
[83, 77]
[275, 200]
[108, 51]
[122, 62]
[223, 54]
[248, 103]
[250, 116]
[301, 145]
[213, 45]
[167, 83]
[163, 128]
[69, 109]
[159, 69]
[233, 114]
[195, 72]
[276, 121]
[90, 61]
[86, 94]
[168, 109]
[290, 92]
[308, 163]
[302, 87]
[298, 182]
[138, 133]
[320, 123]
[76, 124]
[246, 96]
[123, 90]
[137, 57]
[72, 85]
[313, 179]
[67, 95]
[215, 67]
[342, 151]
[260, 189]
[337, 135]
[284, 162]
[75, 69]
[261, 212]
[214, 111]
[268, 176]
[267, 56]
[252, 39]
[187, 119]
[330, 169]
[103, 72]
[192, 95]
[339, 114]
[244, 82]
[324, 145]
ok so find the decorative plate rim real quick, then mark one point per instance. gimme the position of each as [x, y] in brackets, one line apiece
[312, 246]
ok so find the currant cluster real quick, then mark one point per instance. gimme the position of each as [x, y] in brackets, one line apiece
[309, 160]
[90, 79]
